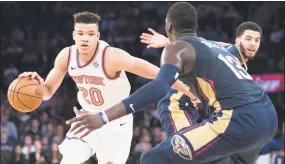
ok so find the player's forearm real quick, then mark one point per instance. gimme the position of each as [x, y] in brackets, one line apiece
[46, 92]
[223, 43]
[180, 86]
[145, 69]
[149, 93]
[150, 71]
[115, 112]
[52, 82]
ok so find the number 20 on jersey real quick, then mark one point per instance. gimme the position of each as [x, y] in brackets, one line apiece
[94, 94]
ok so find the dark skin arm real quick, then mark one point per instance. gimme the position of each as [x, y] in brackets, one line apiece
[181, 54]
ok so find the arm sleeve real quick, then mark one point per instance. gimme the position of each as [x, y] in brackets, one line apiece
[154, 90]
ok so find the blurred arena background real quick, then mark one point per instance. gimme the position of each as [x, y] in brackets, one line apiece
[32, 34]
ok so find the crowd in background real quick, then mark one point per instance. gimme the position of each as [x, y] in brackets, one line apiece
[33, 33]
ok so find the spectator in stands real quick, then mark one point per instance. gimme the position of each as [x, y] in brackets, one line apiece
[34, 130]
[10, 126]
[28, 147]
[54, 155]
[18, 156]
[156, 135]
[6, 146]
[60, 135]
[45, 145]
[37, 156]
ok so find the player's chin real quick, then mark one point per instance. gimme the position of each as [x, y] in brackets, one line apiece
[84, 50]
[250, 55]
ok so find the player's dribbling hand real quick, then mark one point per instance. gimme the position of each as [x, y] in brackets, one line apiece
[154, 40]
[33, 75]
[85, 121]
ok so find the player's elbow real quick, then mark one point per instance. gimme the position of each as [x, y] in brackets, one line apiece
[46, 97]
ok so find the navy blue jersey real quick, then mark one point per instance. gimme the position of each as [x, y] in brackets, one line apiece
[219, 79]
[234, 51]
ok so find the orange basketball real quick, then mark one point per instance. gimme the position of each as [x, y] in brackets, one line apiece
[25, 94]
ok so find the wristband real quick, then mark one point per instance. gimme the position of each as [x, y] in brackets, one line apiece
[104, 117]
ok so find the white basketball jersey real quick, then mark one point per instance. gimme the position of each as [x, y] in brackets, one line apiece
[96, 91]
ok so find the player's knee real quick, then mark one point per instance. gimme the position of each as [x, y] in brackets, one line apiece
[150, 157]
[75, 149]
[145, 158]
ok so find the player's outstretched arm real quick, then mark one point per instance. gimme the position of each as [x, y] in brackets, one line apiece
[173, 59]
[224, 44]
[124, 61]
[55, 76]
[157, 40]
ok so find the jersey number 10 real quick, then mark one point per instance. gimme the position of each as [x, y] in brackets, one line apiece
[95, 95]
[237, 69]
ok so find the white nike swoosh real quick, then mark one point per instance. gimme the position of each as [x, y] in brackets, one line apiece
[131, 105]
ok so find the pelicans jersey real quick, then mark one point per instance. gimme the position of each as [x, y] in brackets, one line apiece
[235, 128]
[234, 51]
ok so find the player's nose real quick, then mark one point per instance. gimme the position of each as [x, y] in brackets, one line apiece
[253, 43]
[84, 38]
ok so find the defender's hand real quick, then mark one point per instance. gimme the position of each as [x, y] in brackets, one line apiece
[154, 40]
[33, 75]
[196, 103]
[85, 121]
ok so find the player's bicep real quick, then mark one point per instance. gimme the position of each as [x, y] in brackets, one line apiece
[124, 61]
[56, 75]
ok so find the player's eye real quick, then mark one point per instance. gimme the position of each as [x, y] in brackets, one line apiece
[91, 34]
[80, 34]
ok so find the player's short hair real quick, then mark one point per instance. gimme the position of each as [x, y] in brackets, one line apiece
[183, 17]
[86, 18]
[248, 26]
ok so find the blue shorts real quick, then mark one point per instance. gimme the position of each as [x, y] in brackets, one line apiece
[175, 112]
[227, 132]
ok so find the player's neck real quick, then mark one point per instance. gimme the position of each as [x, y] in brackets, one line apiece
[179, 35]
[244, 59]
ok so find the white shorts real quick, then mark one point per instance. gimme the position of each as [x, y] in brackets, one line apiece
[112, 142]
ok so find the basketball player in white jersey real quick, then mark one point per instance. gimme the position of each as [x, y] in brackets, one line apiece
[98, 71]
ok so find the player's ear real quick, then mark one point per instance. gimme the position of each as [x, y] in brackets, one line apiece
[98, 35]
[73, 35]
[169, 28]
[237, 41]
